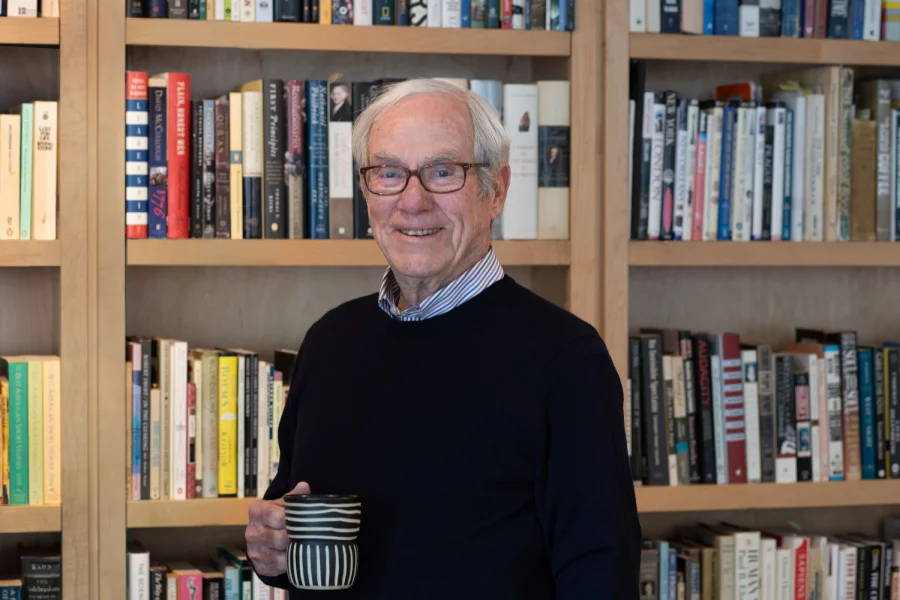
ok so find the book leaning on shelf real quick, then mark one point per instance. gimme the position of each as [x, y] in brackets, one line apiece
[202, 422]
[705, 561]
[272, 159]
[28, 171]
[555, 15]
[30, 429]
[708, 408]
[806, 156]
[871, 20]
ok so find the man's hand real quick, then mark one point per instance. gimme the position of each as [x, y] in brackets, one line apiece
[266, 536]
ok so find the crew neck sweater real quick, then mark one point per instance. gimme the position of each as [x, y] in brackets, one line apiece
[487, 445]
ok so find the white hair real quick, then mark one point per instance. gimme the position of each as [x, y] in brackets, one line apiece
[491, 141]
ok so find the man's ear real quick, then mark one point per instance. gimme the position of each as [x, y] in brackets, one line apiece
[501, 187]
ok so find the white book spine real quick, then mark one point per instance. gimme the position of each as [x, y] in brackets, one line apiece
[778, 142]
[689, 169]
[847, 573]
[748, 15]
[798, 175]
[637, 16]
[813, 407]
[138, 575]
[749, 176]
[22, 8]
[835, 413]
[451, 14]
[178, 417]
[196, 423]
[652, 15]
[746, 565]
[220, 10]
[681, 141]
[434, 12]
[762, 120]
[738, 173]
[262, 431]
[872, 21]
[785, 574]
[241, 406]
[768, 571]
[265, 11]
[814, 211]
[719, 420]
[751, 414]
[654, 214]
[713, 174]
[520, 118]
[814, 433]
[362, 12]
[248, 11]
[518, 16]
[822, 412]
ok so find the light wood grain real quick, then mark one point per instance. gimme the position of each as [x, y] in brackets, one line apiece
[324, 253]
[308, 36]
[42, 31]
[29, 519]
[759, 50]
[763, 254]
[198, 512]
[29, 253]
[653, 499]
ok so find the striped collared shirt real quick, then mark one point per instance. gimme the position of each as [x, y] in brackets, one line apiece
[465, 287]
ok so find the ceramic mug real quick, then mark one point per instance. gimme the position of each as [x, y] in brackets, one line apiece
[322, 529]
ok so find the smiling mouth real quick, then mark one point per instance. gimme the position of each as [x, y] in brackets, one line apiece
[419, 232]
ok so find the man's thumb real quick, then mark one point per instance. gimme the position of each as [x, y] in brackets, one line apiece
[301, 488]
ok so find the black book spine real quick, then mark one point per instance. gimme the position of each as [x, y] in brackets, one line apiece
[785, 415]
[768, 172]
[887, 570]
[669, 157]
[41, 577]
[275, 218]
[863, 571]
[876, 555]
[197, 168]
[157, 583]
[690, 395]
[634, 373]
[766, 374]
[254, 425]
[839, 19]
[636, 75]
[893, 410]
[223, 171]
[209, 168]
[670, 16]
[137, 9]
[804, 437]
[248, 427]
[653, 410]
[878, 375]
[703, 382]
[288, 10]
[193, 9]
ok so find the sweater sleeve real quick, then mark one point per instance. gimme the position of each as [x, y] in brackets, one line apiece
[585, 495]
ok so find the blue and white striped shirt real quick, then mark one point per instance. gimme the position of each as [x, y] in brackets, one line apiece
[465, 287]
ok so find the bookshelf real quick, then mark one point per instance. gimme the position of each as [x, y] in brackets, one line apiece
[202, 512]
[775, 254]
[45, 284]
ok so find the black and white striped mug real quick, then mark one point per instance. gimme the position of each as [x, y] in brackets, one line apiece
[322, 529]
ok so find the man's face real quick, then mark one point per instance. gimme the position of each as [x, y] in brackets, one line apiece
[422, 130]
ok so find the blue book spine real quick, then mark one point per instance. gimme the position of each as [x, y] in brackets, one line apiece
[465, 13]
[562, 15]
[857, 18]
[317, 155]
[673, 574]
[10, 592]
[136, 439]
[790, 18]
[157, 225]
[787, 201]
[726, 180]
[867, 412]
[726, 17]
[527, 15]
[709, 17]
[136, 143]
[838, 19]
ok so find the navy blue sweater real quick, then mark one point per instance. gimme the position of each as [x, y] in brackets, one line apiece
[487, 445]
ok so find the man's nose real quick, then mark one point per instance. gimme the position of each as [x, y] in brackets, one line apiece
[414, 198]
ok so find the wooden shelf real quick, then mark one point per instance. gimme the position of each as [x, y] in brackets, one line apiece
[315, 253]
[198, 512]
[824, 494]
[30, 519]
[346, 38]
[29, 253]
[764, 254]
[763, 50]
[22, 31]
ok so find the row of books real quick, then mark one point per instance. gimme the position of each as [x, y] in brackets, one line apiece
[30, 429]
[705, 561]
[805, 155]
[273, 158]
[707, 408]
[225, 574]
[202, 422]
[28, 171]
[871, 20]
[556, 15]
[38, 574]
[29, 8]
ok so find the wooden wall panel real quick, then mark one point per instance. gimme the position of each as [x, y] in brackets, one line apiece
[29, 310]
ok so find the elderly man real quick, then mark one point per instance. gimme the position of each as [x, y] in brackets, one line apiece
[481, 425]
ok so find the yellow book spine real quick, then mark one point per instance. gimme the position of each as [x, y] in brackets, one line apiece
[52, 425]
[236, 183]
[228, 385]
[324, 12]
[35, 432]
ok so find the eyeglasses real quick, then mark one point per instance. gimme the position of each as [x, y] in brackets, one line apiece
[441, 178]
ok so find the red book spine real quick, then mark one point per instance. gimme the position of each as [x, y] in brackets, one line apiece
[733, 406]
[179, 158]
[801, 567]
[506, 15]
[191, 440]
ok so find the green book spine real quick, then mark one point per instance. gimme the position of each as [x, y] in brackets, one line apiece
[18, 432]
[384, 12]
[27, 144]
[479, 14]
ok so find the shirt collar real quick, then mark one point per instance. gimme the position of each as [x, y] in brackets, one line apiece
[472, 282]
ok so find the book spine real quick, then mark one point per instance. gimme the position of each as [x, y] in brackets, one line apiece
[767, 437]
[878, 393]
[733, 408]
[703, 383]
[866, 412]
[689, 169]
[671, 16]
[384, 12]
[857, 9]
[136, 150]
[191, 441]
[687, 356]
[726, 17]
[839, 19]
[892, 413]
[790, 18]
[786, 426]
[835, 412]
[803, 425]
[17, 449]
[845, 144]
[158, 160]
[750, 383]
[227, 416]
[361, 227]
[223, 170]
[729, 114]
[295, 159]
[787, 175]
[636, 443]
[340, 162]
[850, 391]
[778, 152]
[251, 167]
[236, 203]
[669, 434]
[697, 224]
[26, 171]
[667, 193]
[197, 168]
[653, 412]
[178, 157]
[209, 169]
[317, 156]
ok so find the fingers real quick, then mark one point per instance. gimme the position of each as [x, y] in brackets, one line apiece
[266, 548]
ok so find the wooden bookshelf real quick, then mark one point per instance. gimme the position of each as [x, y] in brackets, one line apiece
[317, 253]
[30, 519]
[198, 512]
[40, 31]
[736, 49]
[763, 254]
[29, 253]
[345, 38]
[760, 496]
